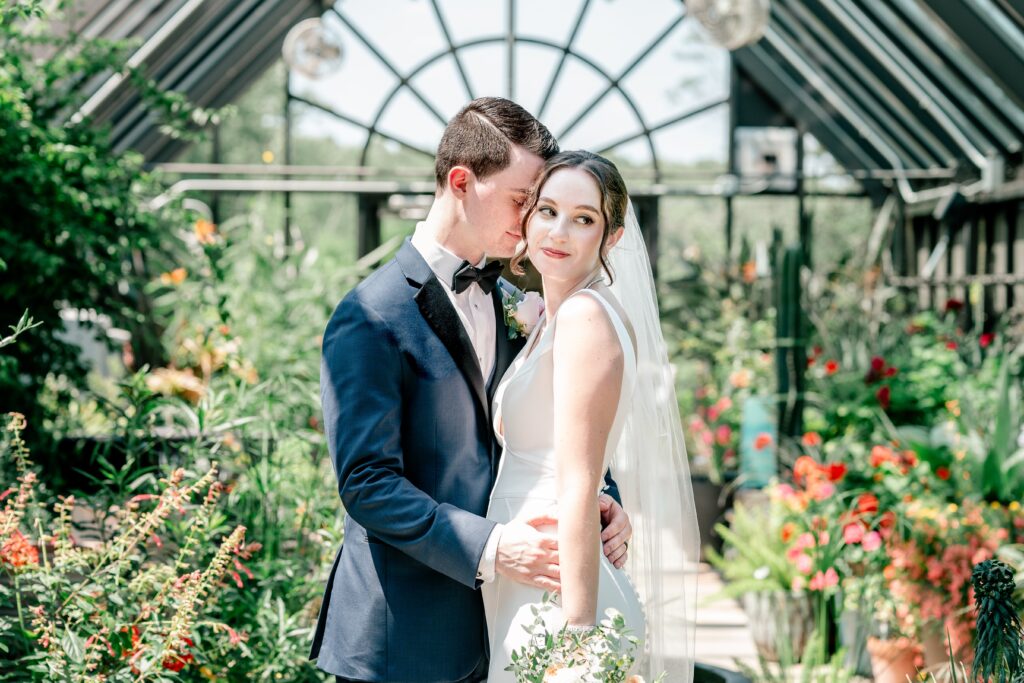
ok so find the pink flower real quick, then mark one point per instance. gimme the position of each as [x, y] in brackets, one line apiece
[823, 538]
[852, 534]
[723, 435]
[804, 564]
[528, 311]
[797, 583]
[724, 404]
[823, 491]
[805, 540]
[713, 414]
[824, 580]
[872, 541]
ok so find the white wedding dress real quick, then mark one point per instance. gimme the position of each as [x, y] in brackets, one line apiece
[526, 487]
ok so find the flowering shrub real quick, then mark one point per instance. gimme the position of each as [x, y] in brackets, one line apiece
[140, 604]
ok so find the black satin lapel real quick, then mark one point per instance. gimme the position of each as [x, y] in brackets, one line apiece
[437, 308]
[505, 349]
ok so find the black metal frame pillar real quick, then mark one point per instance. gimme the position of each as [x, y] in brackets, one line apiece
[368, 222]
[287, 156]
[647, 215]
[734, 86]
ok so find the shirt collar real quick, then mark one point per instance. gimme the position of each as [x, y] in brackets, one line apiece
[443, 262]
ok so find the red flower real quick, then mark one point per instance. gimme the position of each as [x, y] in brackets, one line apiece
[867, 504]
[891, 372]
[831, 367]
[811, 361]
[986, 340]
[942, 473]
[179, 660]
[877, 364]
[884, 396]
[836, 471]
[954, 305]
[812, 439]
[762, 441]
[951, 345]
[817, 351]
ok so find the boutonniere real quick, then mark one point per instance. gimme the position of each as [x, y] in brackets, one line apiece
[522, 311]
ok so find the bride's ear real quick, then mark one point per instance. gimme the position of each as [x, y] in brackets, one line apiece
[614, 238]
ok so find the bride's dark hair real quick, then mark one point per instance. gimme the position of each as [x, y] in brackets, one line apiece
[614, 197]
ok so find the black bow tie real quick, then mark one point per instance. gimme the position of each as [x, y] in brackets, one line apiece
[486, 277]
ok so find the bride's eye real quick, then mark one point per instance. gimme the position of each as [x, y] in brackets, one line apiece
[585, 220]
[547, 211]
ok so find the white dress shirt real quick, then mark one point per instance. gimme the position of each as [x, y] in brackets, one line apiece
[476, 312]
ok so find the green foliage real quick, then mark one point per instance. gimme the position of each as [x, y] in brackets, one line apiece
[76, 230]
[999, 650]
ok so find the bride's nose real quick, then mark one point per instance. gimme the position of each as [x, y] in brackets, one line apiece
[560, 230]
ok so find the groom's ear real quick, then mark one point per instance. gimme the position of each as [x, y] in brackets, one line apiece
[458, 181]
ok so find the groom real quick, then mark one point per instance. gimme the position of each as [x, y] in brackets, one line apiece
[411, 358]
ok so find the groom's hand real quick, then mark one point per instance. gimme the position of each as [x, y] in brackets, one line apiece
[616, 530]
[529, 556]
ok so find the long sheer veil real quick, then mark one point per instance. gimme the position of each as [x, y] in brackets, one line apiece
[653, 475]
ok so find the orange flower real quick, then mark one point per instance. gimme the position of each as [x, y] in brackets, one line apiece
[788, 529]
[762, 441]
[812, 439]
[18, 551]
[749, 272]
[175, 277]
[206, 232]
[804, 468]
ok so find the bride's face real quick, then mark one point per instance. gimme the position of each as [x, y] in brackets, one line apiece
[564, 234]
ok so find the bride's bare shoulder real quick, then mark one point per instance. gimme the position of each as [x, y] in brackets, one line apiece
[585, 325]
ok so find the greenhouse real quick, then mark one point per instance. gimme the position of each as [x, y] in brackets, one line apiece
[259, 422]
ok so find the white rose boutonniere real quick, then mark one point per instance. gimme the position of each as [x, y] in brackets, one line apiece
[522, 311]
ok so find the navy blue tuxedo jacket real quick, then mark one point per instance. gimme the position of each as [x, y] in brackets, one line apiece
[408, 425]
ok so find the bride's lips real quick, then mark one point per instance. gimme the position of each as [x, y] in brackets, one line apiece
[554, 253]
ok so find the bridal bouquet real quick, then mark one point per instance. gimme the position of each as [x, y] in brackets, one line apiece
[606, 653]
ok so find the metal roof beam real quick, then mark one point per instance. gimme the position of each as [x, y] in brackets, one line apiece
[889, 128]
[945, 113]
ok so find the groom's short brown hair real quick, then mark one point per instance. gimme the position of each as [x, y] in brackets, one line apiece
[481, 135]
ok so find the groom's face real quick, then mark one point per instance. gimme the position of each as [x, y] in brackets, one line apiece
[494, 207]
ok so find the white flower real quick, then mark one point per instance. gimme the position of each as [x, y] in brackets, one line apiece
[528, 311]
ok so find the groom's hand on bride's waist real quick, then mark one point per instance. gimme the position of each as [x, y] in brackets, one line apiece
[616, 530]
[529, 556]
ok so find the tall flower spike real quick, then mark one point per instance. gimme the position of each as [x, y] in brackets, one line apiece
[999, 654]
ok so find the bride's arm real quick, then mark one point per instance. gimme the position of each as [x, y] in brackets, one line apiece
[588, 367]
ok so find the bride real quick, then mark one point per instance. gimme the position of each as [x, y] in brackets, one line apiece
[592, 389]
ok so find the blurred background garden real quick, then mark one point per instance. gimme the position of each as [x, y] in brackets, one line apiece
[832, 194]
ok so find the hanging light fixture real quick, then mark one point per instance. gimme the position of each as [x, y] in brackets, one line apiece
[312, 49]
[732, 23]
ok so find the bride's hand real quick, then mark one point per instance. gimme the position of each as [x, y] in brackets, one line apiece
[616, 530]
[529, 556]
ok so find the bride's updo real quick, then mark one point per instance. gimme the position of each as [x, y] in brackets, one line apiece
[614, 197]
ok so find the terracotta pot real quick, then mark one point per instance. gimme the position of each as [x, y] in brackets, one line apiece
[892, 661]
[933, 643]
